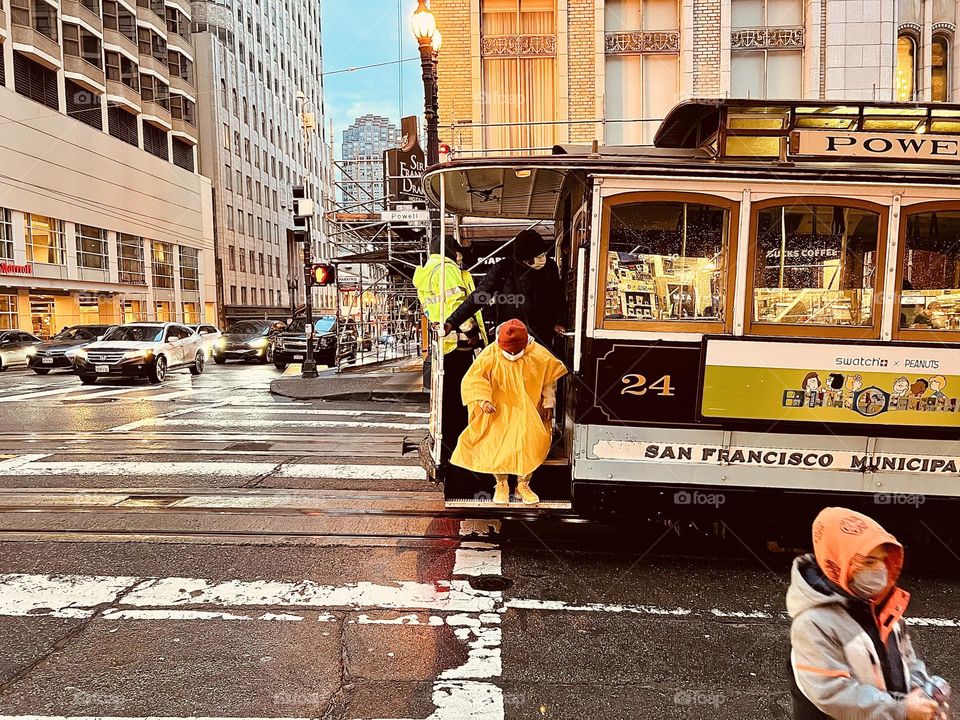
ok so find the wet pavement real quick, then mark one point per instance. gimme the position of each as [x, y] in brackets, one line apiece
[207, 549]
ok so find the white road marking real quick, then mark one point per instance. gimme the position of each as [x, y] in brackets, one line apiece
[477, 559]
[93, 394]
[42, 393]
[205, 615]
[34, 465]
[283, 410]
[77, 596]
[149, 421]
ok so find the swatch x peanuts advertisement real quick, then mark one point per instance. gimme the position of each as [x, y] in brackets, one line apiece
[862, 384]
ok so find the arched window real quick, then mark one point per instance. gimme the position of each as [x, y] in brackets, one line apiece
[223, 92]
[906, 80]
[236, 104]
[940, 69]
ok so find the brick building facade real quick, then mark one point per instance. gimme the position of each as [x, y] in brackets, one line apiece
[521, 75]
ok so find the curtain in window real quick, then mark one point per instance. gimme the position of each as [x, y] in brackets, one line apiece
[906, 68]
[939, 80]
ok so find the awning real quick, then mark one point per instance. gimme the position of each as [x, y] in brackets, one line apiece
[519, 189]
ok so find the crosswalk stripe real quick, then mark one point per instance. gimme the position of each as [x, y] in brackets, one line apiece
[263, 424]
[282, 410]
[34, 465]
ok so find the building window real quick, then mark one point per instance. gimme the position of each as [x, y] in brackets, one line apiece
[230, 219]
[152, 45]
[518, 48]
[191, 313]
[130, 259]
[183, 154]
[6, 234]
[906, 80]
[123, 125]
[180, 66]
[164, 311]
[239, 220]
[183, 108]
[189, 268]
[226, 137]
[253, 265]
[153, 89]
[45, 240]
[232, 257]
[815, 264]
[223, 93]
[667, 262]
[767, 39]
[243, 261]
[120, 68]
[260, 259]
[83, 105]
[940, 70]
[642, 67]
[233, 294]
[81, 43]
[930, 283]
[91, 247]
[9, 317]
[117, 17]
[263, 296]
[36, 14]
[134, 311]
[33, 80]
[162, 265]
[155, 141]
[243, 295]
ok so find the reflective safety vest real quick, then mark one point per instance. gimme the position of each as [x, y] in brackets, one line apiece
[458, 285]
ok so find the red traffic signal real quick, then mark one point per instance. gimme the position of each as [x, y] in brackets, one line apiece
[322, 275]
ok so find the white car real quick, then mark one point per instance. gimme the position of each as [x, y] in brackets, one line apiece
[209, 334]
[144, 349]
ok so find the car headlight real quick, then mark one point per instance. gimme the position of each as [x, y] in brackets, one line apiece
[259, 343]
[221, 343]
[81, 353]
[31, 351]
[136, 354]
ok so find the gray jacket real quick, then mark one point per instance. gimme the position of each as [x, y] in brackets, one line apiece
[835, 663]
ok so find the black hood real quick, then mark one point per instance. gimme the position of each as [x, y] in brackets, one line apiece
[243, 337]
[61, 345]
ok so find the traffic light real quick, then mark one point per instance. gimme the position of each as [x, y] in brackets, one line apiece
[302, 208]
[322, 275]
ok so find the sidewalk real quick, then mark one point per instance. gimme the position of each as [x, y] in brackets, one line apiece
[392, 381]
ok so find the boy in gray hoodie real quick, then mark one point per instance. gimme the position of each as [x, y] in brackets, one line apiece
[851, 655]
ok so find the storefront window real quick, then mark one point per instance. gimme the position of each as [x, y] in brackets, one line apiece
[666, 262]
[9, 317]
[164, 312]
[189, 269]
[91, 247]
[191, 313]
[162, 265]
[815, 265]
[130, 259]
[42, 311]
[45, 243]
[134, 311]
[6, 235]
[930, 292]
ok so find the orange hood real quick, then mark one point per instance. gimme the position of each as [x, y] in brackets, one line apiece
[842, 538]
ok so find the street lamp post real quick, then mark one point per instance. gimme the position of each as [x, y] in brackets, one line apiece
[424, 26]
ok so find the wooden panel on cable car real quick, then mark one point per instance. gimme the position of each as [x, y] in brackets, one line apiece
[639, 383]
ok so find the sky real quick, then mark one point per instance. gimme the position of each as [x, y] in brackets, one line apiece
[365, 32]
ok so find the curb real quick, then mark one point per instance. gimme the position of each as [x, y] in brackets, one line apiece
[399, 396]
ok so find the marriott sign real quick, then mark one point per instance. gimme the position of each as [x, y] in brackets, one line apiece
[9, 268]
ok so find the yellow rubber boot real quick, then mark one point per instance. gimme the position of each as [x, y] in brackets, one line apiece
[528, 496]
[501, 495]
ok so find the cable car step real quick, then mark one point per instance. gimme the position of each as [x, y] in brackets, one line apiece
[513, 505]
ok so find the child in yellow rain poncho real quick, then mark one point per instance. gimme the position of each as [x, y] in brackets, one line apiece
[510, 391]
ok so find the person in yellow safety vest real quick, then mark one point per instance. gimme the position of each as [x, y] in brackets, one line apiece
[458, 347]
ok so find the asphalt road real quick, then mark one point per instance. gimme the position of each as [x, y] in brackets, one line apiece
[203, 549]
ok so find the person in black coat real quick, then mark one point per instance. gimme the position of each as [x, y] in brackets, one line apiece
[525, 286]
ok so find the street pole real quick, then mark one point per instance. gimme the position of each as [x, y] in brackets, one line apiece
[309, 368]
[428, 68]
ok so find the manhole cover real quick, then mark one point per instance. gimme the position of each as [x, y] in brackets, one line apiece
[490, 583]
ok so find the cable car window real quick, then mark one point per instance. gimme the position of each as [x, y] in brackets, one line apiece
[815, 265]
[667, 263]
[930, 284]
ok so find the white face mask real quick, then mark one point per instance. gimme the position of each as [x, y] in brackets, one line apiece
[539, 262]
[513, 358]
[868, 583]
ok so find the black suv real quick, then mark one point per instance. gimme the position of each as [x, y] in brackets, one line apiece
[57, 352]
[290, 346]
[247, 340]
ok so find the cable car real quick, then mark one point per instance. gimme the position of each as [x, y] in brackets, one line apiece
[766, 303]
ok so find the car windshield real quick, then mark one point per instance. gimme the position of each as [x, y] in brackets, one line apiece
[135, 333]
[247, 328]
[323, 325]
[77, 333]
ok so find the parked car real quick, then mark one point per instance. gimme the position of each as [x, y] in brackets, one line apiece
[144, 349]
[247, 340]
[290, 346]
[209, 334]
[59, 351]
[14, 346]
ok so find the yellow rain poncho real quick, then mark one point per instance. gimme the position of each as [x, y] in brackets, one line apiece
[514, 440]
